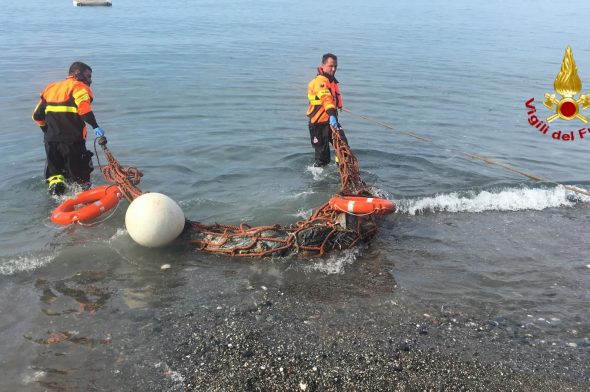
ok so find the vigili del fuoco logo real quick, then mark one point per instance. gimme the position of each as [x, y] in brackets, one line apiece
[564, 104]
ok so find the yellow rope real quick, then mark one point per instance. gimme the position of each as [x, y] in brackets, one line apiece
[490, 161]
[474, 157]
[532, 177]
[411, 134]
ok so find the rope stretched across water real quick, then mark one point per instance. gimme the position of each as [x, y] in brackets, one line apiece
[474, 157]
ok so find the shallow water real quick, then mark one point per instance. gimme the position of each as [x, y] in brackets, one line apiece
[208, 99]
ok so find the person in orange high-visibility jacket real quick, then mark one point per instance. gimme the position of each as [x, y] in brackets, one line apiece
[62, 113]
[324, 97]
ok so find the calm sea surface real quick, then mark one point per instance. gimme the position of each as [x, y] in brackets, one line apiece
[208, 99]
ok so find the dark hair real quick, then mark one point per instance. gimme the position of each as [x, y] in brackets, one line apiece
[328, 56]
[79, 66]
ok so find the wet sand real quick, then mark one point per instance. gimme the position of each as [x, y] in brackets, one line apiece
[341, 333]
[271, 326]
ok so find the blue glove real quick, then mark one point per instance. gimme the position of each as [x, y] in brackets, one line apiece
[98, 132]
[333, 122]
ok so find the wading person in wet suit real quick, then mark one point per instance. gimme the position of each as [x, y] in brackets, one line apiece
[62, 113]
[324, 101]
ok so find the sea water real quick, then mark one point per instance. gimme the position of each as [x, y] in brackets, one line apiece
[208, 99]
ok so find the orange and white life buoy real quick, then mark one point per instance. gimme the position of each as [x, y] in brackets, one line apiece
[95, 202]
[362, 205]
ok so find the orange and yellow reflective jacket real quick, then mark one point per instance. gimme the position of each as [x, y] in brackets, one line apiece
[324, 98]
[61, 108]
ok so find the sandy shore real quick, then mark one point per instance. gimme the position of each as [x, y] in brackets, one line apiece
[289, 339]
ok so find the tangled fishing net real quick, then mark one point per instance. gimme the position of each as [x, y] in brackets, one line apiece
[327, 229]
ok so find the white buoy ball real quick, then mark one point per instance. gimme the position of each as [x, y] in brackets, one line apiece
[154, 219]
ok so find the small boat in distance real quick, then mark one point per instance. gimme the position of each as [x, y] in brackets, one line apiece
[82, 3]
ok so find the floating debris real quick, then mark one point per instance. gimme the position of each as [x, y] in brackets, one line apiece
[92, 3]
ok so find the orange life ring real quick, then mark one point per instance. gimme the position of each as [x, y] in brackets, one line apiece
[362, 205]
[96, 202]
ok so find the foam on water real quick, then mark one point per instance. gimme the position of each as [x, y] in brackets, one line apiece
[380, 193]
[33, 377]
[336, 263]
[303, 194]
[509, 199]
[24, 262]
[318, 173]
[72, 190]
[118, 234]
[303, 214]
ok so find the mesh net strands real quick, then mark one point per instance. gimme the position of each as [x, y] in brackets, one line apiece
[350, 178]
[126, 178]
[326, 230]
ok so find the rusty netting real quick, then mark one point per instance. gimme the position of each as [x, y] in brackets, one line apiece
[350, 177]
[126, 178]
[326, 230]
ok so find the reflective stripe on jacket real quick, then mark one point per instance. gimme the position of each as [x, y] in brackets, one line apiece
[324, 98]
[60, 109]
